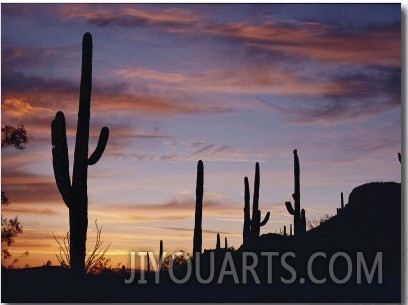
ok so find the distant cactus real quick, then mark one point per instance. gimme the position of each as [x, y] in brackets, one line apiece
[284, 230]
[252, 227]
[75, 195]
[341, 204]
[303, 221]
[299, 217]
[198, 239]
[226, 243]
[148, 263]
[161, 254]
[246, 234]
[399, 157]
[218, 245]
[290, 230]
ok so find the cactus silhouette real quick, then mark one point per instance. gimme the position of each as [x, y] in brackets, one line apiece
[399, 157]
[341, 204]
[161, 254]
[252, 227]
[226, 243]
[148, 263]
[290, 230]
[218, 245]
[75, 195]
[284, 230]
[303, 221]
[299, 218]
[198, 239]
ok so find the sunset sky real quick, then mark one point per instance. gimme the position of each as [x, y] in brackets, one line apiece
[231, 84]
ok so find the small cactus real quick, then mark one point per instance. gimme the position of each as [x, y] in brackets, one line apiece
[341, 204]
[148, 263]
[161, 254]
[284, 230]
[218, 245]
[226, 243]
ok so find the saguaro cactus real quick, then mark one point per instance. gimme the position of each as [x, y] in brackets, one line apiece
[284, 230]
[75, 195]
[225, 243]
[299, 219]
[341, 204]
[252, 227]
[198, 239]
[218, 245]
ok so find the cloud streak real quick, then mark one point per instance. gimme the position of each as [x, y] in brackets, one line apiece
[129, 16]
[302, 39]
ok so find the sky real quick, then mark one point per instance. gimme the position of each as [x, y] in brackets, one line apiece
[229, 84]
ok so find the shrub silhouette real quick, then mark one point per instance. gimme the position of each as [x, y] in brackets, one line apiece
[96, 261]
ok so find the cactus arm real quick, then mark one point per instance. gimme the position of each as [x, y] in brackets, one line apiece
[255, 204]
[97, 154]
[266, 219]
[290, 208]
[296, 197]
[60, 160]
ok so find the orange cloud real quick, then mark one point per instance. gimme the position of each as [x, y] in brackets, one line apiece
[239, 80]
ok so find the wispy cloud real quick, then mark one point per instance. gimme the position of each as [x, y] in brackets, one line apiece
[129, 16]
[359, 96]
[113, 98]
[310, 40]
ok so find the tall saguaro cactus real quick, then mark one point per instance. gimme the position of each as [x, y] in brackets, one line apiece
[299, 218]
[75, 195]
[198, 239]
[252, 227]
